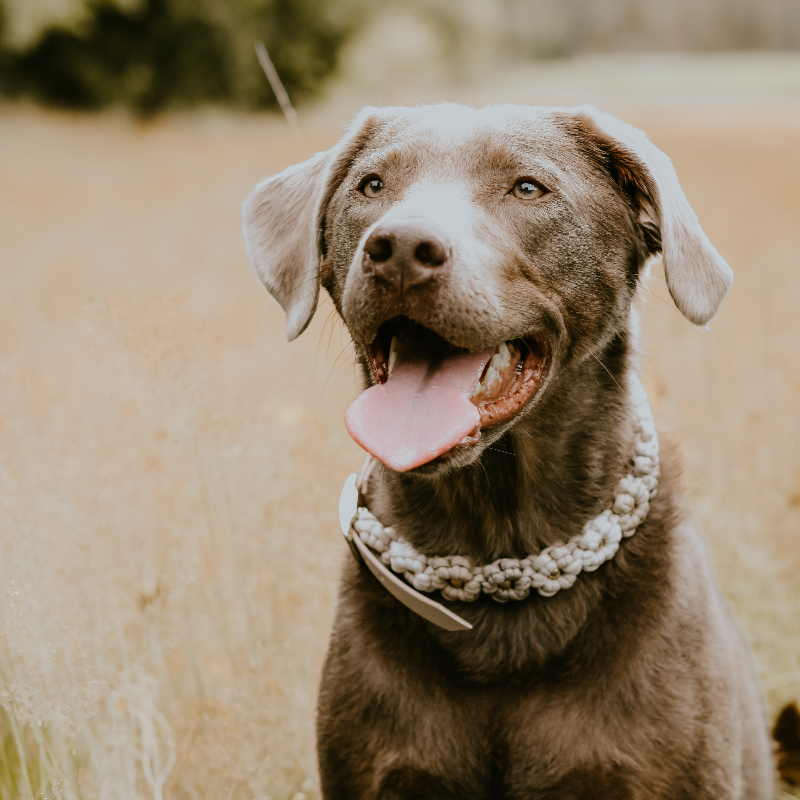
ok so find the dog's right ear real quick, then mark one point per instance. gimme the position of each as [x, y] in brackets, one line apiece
[697, 276]
[282, 223]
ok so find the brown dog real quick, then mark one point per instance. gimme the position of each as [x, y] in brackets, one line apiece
[451, 231]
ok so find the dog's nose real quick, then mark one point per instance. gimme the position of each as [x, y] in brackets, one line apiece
[406, 253]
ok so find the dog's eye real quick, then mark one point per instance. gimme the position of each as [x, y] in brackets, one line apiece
[526, 189]
[371, 186]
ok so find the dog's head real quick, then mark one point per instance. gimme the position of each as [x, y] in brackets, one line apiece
[473, 254]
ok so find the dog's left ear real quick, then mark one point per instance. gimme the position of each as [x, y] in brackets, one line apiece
[283, 221]
[697, 276]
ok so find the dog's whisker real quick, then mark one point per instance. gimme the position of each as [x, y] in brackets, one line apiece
[300, 275]
[662, 299]
[257, 302]
[327, 381]
[321, 336]
[606, 369]
[330, 339]
[291, 287]
[499, 450]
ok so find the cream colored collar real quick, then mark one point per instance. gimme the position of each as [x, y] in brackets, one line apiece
[458, 579]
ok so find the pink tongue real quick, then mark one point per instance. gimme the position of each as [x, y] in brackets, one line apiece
[424, 409]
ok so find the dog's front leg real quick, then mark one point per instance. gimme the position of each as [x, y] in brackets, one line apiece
[393, 719]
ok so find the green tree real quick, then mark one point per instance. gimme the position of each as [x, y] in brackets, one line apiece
[179, 53]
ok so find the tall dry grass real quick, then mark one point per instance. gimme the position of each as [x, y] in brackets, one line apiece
[169, 468]
[168, 471]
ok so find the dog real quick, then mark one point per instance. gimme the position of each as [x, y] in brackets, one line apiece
[786, 733]
[486, 264]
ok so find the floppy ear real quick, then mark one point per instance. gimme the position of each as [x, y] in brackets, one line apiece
[281, 235]
[282, 223]
[697, 276]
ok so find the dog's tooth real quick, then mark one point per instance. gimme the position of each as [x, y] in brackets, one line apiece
[505, 355]
[392, 353]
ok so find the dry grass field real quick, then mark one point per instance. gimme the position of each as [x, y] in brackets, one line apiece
[170, 468]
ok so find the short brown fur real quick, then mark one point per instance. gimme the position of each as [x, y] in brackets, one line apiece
[633, 683]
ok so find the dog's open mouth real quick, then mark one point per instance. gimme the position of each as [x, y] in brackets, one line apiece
[430, 396]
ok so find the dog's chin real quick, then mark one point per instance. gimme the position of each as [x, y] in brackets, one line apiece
[464, 454]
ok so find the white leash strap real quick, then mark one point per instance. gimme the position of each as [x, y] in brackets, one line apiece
[426, 608]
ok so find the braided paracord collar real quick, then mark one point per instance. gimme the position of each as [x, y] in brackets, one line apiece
[557, 566]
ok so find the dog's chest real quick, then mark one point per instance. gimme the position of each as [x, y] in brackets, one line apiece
[549, 760]
[543, 741]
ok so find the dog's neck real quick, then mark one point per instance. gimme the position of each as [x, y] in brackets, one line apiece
[537, 484]
[542, 482]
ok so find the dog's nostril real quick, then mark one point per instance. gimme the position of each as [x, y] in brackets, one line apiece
[431, 254]
[378, 248]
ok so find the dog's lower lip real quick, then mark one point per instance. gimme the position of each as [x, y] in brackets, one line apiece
[525, 377]
[501, 409]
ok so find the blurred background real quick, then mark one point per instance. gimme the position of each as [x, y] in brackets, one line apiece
[151, 55]
[170, 467]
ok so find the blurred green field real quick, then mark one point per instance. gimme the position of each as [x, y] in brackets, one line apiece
[170, 468]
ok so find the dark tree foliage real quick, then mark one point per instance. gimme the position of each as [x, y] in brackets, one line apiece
[168, 53]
